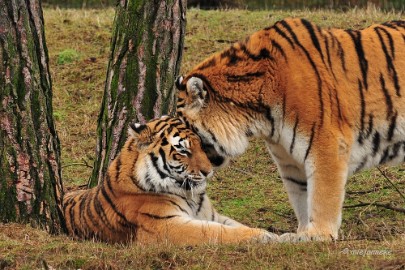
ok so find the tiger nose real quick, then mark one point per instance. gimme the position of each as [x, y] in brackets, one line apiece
[205, 173]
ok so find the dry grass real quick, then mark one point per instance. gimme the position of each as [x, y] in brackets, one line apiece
[78, 86]
[249, 190]
[26, 248]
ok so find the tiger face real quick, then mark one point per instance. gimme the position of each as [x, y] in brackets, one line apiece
[224, 126]
[171, 159]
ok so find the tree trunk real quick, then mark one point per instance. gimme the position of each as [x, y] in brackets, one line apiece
[146, 50]
[30, 177]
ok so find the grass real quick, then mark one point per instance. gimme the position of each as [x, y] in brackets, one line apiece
[67, 56]
[26, 248]
[249, 190]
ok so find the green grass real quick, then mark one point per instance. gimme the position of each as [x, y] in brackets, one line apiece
[249, 190]
[67, 56]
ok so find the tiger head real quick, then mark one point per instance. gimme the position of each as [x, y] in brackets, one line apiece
[222, 98]
[170, 157]
[224, 125]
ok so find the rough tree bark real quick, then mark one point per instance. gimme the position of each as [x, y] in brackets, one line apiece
[30, 176]
[146, 50]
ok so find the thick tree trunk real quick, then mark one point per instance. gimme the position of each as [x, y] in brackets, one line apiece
[146, 50]
[30, 178]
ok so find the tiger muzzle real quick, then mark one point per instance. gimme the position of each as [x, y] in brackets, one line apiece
[216, 159]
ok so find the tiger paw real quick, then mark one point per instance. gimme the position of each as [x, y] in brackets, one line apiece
[304, 237]
[265, 237]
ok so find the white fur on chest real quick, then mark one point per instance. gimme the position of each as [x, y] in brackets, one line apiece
[288, 150]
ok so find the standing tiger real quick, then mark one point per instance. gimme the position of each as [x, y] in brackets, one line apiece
[154, 192]
[327, 102]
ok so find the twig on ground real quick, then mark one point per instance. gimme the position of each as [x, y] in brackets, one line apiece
[392, 184]
[364, 210]
[360, 192]
[382, 205]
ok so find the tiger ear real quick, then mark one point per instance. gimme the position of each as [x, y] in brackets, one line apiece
[195, 88]
[178, 82]
[141, 133]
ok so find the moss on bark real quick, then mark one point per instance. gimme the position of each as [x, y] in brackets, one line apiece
[145, 57]
[30, 177]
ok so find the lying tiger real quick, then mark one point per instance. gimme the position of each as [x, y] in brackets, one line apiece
[328, 103]
[154, 192]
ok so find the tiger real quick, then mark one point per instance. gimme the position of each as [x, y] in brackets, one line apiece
[155, 192]
[327, 102]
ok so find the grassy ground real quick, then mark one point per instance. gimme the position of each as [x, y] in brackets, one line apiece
[249, 190]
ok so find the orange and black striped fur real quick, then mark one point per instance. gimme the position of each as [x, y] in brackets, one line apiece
[328, 103]
[154, 192]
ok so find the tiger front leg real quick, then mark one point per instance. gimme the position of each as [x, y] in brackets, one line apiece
[327, 171]
[298, 197]
[187, 231]
[294, 179]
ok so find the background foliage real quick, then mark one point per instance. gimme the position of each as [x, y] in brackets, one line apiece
[250, 4]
